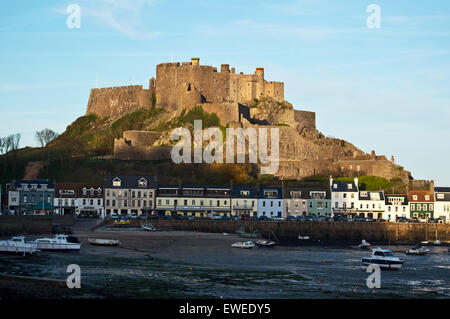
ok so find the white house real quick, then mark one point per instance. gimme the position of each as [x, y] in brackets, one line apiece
[442, 203]
[81, 199]
[371, 204]
[396, 206]
[344, 197]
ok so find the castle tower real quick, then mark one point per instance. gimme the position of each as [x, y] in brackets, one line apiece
[260, 83]
[195, 61]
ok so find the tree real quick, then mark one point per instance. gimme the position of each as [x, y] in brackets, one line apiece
[45, 136]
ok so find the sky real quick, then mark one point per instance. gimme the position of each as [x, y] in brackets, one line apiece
[385, 89]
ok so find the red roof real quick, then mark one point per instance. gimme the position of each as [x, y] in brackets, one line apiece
[420, 196]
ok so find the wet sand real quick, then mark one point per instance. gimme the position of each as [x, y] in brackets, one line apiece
[177, 264]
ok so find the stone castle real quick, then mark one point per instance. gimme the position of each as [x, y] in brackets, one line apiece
[239, 100]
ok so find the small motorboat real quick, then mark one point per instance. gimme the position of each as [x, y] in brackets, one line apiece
[104, 242]
[425, 242]
[265, 243]
[63, 243]
[364, 244]
[17, 245]
[304, 237]
[418, 250]
[148, 227]
[437, 242]
[383, 258]
[243, 244]
[122, 222]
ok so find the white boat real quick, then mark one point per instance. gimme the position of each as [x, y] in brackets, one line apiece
[104, 242]
[303, 237]
[61, 242]
[243, 244]
[383, 258]
[265, 243]
[364, 244]
[148, 227]
[17, 245]
[437, 242]
[418, 250]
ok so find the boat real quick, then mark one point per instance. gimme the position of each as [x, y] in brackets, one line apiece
[364, 244]
[243, 244]
[265, 243]
[17, 245]
[122, 222]
[304, 237]
[418, 250]
[425, 242]
[247, 235]
[383, 258]
[104, 242]
[437, 242]
[148, 227]
[60, 242]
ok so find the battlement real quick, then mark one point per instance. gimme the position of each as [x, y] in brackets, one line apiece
[183, 85]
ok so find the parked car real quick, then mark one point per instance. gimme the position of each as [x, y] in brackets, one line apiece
[225, 217]
[276, 218]
[114, 216]
[338, 218]
[191, 217]
[143, 216]
[236, 217]
[310, 218]
[329, 219]
[133, 216]
[402, 220]
[291, 218]
[358, 219]
[368, 219]
[264, 218]
[245, 217]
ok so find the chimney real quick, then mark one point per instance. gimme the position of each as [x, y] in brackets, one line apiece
[331, 181]
[432, 188]
[356, 183]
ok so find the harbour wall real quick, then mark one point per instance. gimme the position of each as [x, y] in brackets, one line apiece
[23, 225]
[327, 232]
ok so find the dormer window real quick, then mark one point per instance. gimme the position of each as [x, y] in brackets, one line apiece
[350, 186]
[427, 197]
[117, 182]
[335, 186]
[414, 197]
[91, 191]
[245, 193]
[84, 191]
[142, 182]
[99, 191]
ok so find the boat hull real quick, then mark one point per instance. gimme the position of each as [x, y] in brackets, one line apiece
[384, 264]
[59, 247]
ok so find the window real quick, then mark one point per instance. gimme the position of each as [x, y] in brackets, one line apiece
[159, 202]
[345, 195]
[431, 206]
[117, 182]
[427, 197]
[142, 182]
[414, 197]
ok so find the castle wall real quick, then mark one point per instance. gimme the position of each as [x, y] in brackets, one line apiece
[275, 90]
[118, 100]
[308, 119]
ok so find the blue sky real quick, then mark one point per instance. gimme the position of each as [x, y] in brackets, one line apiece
[385, 89]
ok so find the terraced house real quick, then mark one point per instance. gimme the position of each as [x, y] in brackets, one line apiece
[344, 196]
[270, 202]
[396, 206]
[244, 201]
[421, 203]
[442, 203]
[199, 201]
[128, 195]
[371, 204]
[35, 196]
[315, 202]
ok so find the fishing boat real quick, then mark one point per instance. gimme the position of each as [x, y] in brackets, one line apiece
[265, 243]
[17, 245]
[148, 227]
[243, 244]
[383, 258]
[104, 242]
[122, 222]
[364, 244]
[60, 242]
[418, 250]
